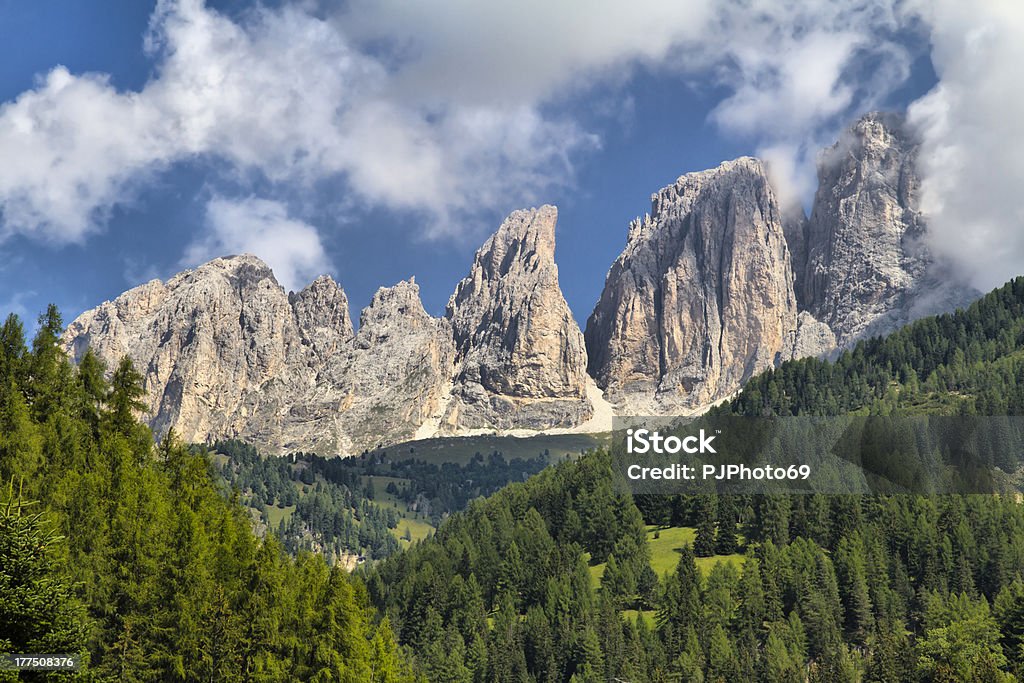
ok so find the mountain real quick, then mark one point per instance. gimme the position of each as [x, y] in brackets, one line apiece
[522, 361]
[717, 284]
[566, 577]
[394, 376]
[701, 299]
[220, 347]
[713, 286]
[227, 353]
[867, 263]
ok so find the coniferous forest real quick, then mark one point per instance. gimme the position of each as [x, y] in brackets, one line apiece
[138, 556]
[128, 554]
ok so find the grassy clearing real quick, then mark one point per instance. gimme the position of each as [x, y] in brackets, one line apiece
[418, 529]
[665, 550]
[276, 514]
[382, 498]
[633, 614]
[665, 553]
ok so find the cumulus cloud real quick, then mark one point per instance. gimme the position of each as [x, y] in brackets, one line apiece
[972, 144]
[72, 146]
[799, 72]
[488, 53]
[290, 247]
[794, 72]
[444, 109]
[280, 93]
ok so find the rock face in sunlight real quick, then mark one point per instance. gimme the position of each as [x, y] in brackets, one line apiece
[226, 352]
[522, 361]
[867, 269]
[714, 286]
[220, 348]
[700, 299]
[394, 377]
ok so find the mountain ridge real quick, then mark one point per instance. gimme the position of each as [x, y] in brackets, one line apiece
[225, 352]
[714, 285]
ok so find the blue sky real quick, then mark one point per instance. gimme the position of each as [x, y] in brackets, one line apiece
[374, 143]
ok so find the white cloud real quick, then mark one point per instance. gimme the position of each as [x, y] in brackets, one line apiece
[801, 71]
[290, 247]
[796, 71]
[972, 146]
[280, 93]
[507, 54]
[442, 108]
[71, 148]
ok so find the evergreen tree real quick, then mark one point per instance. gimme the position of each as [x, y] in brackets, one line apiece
[39, 612]
[704, 545]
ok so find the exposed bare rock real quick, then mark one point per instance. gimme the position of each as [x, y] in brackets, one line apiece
[521, 357]
[714, 286]
[812, 338]
[397, 375]
[795, 226]
[700, 299]
[225, 352]
[218, 347]
[321, 311]
[866, 255]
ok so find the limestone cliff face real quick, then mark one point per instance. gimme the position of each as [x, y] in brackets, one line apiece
[865, 256]
[218, 347]
[713, 286]
[521, 356]
[396, 376]
[225, 352]
[321, 312]
[700, 299]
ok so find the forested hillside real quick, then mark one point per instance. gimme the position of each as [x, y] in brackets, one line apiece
[831, 588]
[970, 362]
[128, 554]
[132, 554]
[363, 506]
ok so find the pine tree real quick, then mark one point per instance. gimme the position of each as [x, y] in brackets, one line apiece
[39, 612]
[704, 544]
[851, 571]
[723, 664]
[126, 392]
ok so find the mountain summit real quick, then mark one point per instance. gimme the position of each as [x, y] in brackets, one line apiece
[701, 298]
[522, 361]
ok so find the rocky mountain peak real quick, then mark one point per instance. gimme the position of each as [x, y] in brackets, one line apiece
[322, 315]
[680, 197]
[521, 355]
[526, 239]
[714, 285]
[392, 310]
[242, 271]
[865, 251]
[225, 352]
[700, 299]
